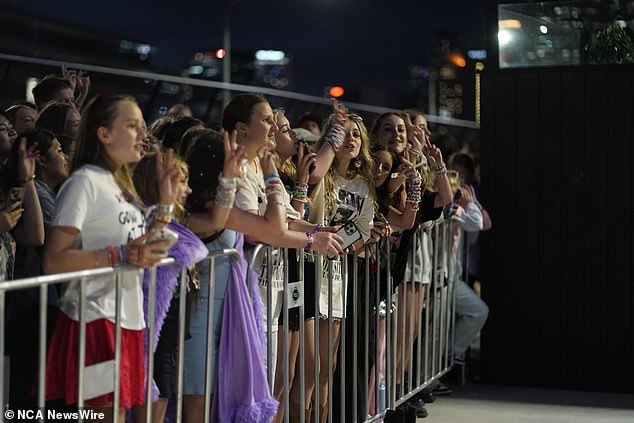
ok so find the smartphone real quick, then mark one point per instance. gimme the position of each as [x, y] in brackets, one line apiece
[163, 234]
[450, 208]
[350, 234]
[16, 195]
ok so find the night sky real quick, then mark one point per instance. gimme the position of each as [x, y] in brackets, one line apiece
[343, 42]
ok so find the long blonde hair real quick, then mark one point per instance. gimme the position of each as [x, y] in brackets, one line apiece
[365, 170]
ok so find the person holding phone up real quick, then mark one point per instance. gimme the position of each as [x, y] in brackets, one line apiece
[21, 215]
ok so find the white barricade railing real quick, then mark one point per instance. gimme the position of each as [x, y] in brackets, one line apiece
[415, 368]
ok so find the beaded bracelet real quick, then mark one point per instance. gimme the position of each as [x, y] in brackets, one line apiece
[335, 136]
[227, 183]
[111, 255]
[165, 208]
[309, 245]
[225, 198]
[440, 170]
[318, 228]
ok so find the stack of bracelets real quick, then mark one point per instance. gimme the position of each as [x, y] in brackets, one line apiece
[226, 192]
[274, 187]
[163, 213]
[310, 238]
[440, 170]
[301, 193]
[335, 136]
[414, 191]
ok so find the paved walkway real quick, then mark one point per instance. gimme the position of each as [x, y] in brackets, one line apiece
[497, 404]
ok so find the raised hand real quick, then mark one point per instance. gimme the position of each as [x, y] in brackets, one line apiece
[415, 135]
[339, 113]
[235, 156]
[168, 175]
[27, 159]
[70, 75]
[267, 161]
[83, 81]
[433, 153]
[304, 161]
[468, 196]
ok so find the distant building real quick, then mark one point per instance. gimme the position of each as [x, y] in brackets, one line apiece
[263, 68]
[453, 78]
[24, 34]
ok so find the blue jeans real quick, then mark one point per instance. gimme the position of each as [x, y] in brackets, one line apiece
[471, 314]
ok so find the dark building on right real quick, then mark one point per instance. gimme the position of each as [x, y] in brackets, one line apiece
[557, 156]
[453, 86]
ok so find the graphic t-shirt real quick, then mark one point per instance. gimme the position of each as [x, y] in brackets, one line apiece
[92, 202]
[353, 204]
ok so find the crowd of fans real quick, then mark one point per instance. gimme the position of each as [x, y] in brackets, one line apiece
[89, 184]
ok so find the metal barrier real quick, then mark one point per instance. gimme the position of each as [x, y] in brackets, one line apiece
[369, 330]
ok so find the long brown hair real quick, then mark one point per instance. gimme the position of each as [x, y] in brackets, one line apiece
[101, 112]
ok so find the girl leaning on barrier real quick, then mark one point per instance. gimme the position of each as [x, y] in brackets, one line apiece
[215, 166]
[260, 215]
[252, 118]
[294, 176]
[187, 250]
[99, 222]
[408, 139]
[349, 201]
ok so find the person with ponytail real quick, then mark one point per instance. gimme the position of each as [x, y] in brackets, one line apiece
[99, 222]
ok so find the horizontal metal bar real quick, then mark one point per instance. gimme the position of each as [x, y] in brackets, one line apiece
[226, 86]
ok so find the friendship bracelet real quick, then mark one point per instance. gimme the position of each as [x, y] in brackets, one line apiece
[271, 176]
[309, 245]
[112, 255]
[336, 135]
[121, 254]
[228, 182]
[224, 198]
[165, 208]
[318, 228]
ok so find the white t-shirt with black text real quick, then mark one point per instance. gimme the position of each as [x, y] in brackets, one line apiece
[92, 202]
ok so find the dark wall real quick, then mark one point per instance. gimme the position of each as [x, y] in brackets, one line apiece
[557, 162]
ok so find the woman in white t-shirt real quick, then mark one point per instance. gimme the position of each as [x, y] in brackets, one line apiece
[99, 223]
[349, 198]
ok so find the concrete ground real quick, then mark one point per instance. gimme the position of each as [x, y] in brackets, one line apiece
[476, 403]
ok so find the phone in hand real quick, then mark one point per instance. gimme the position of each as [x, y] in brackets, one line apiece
[450, 208]
[16, 195]
[163, 234]
[350, 234]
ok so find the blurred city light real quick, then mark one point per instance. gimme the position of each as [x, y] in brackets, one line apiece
[504, 37]
[457, 59]
[336, 91]
[509, 24]
[270, 55]
[221, 53]
[543, 29]
[477, 54]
